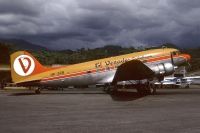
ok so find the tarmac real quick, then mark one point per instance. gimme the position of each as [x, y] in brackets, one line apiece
[93, 111]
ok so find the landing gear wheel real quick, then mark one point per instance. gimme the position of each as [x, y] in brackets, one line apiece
[147, 89]
[154, 91]
[151, 89]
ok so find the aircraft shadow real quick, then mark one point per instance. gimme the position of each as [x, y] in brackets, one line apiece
[125, 96]
[116, 96]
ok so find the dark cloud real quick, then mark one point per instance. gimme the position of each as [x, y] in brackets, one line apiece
[61, 24]
[22, 7]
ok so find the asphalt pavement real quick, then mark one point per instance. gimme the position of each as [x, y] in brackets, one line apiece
[93, 111]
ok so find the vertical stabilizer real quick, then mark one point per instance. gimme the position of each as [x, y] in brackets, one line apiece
[24, 65]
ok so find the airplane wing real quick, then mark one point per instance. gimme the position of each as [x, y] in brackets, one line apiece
[192, 77]
[132, 70]
[195, 80]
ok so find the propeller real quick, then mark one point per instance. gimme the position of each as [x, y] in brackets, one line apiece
[172, 60]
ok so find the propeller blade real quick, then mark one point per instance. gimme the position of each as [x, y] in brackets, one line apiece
[172, 60]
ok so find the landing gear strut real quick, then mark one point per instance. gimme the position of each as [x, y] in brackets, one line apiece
[142, 89]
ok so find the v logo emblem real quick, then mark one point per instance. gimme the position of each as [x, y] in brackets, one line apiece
[25, 68]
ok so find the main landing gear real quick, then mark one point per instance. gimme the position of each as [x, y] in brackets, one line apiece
[142, 89]
[146, 89]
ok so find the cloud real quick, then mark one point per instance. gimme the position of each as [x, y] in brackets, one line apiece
[18, 7]
[61, 24]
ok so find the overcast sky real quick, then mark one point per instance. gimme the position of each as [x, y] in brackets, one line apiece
[72, 24]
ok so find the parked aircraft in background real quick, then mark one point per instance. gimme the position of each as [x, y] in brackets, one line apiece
[176, 82]
[168, 82]
[149, 65]
[173, 82]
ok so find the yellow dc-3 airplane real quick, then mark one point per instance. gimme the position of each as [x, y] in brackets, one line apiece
[149, 65]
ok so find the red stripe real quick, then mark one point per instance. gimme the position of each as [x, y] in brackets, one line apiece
[74, 74]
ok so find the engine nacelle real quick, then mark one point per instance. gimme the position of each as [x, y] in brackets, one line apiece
[163, 69]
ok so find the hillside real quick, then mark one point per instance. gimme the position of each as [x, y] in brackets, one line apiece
[49, 57]
[20, 44]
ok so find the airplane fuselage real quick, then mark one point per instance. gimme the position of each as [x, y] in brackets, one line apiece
[102, 71]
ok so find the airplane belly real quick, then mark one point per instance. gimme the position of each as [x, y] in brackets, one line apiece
[86, 79]
[91, 78]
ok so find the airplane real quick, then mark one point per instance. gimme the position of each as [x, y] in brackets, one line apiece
[176, 82]
[150, 64]
[173, 82]
[167, 81]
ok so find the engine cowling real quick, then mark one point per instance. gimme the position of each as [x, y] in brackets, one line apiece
[163, 69]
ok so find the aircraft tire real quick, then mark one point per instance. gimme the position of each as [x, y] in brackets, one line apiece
[152, 89]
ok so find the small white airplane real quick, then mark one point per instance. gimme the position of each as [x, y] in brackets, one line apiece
[172, 82]
[176, 82]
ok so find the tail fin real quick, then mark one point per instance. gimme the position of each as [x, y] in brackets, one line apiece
[24, 65]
